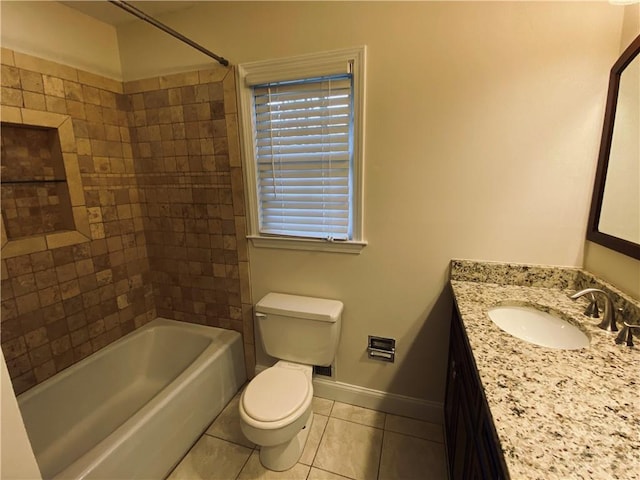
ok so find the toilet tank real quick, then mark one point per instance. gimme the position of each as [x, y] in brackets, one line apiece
[299, 329]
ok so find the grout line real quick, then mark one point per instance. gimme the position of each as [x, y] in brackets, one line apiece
[228, 441]
[357, 423]
[380, 457]
[333, 404]
[319, 443]
[186, 454]
[244, 465]
[415, 436]
[384, 427]
[332, 473]
[414, 419]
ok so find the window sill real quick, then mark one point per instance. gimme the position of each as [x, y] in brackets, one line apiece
[353, 247]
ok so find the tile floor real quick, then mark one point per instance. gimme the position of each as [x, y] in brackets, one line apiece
[345, 442]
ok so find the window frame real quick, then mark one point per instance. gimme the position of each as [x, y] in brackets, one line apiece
[296, 68]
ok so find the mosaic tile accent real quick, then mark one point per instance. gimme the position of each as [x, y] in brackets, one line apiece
[35, 199]
[30, 153]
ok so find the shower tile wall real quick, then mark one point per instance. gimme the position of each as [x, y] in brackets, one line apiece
[60, 305]
[185, 141]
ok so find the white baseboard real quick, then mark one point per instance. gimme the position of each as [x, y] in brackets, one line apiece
[375, 399]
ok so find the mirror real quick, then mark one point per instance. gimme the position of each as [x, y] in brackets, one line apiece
[614, 220]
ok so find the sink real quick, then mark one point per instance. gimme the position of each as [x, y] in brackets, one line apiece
[538, 327]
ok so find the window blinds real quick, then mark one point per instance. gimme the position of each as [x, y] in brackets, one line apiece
[303, 146]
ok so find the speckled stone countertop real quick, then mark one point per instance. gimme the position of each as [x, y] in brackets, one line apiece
[565, 414]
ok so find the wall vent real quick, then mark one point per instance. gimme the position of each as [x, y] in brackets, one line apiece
[325, 371]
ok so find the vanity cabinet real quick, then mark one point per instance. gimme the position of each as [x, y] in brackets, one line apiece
[473, 448]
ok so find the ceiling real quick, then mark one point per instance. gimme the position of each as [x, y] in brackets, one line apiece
[108, 13]
[111, 14]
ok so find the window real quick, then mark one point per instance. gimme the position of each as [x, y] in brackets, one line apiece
[302, 144]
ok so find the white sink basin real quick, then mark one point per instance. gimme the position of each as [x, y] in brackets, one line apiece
[538, 327]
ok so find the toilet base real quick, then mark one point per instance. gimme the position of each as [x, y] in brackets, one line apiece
[284, 456]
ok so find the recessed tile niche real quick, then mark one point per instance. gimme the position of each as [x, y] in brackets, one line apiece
[35, 198]
[43, 202]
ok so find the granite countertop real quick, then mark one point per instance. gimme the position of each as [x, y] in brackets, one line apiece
[566, 414]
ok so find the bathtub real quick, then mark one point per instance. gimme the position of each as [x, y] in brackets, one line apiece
[135, 407]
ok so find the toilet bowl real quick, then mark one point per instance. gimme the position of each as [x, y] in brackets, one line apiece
[275, 413]
[275, 408]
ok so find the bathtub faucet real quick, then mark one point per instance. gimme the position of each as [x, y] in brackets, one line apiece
[608, 322]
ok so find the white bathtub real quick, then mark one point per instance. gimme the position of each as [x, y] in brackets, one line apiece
[135, 407]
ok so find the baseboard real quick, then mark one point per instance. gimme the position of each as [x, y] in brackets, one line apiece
[375, 399]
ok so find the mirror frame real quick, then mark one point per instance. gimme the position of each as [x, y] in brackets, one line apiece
[623, 246]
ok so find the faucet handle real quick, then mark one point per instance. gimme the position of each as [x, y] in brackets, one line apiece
[592, 310]
[626, 334]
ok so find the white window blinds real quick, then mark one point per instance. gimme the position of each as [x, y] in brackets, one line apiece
[303, 149]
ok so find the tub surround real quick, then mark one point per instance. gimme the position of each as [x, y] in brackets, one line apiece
[61, 301]
[160, 182]
[184, 133]
[558, 413]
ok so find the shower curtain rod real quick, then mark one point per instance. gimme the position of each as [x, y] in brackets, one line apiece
[147, 18]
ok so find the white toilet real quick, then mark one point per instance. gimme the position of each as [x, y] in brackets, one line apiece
[275, 408]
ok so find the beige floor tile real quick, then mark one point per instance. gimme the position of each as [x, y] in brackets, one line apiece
[349, 449]
[322, 406]
[227, 425]
[365, 416]
[416, 428]
[313, 440]
[211, 459]
[254, 470]
[405, 457]
[317, 474]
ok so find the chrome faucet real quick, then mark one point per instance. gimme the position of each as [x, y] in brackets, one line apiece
[608, 322]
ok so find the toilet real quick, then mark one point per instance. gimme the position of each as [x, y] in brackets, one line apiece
[275, 408]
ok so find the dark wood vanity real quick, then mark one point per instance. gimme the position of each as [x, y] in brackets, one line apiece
[473, 448]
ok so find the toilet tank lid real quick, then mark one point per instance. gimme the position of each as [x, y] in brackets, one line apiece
[298, 306]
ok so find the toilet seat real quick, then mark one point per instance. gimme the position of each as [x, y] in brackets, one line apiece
[276, 393]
